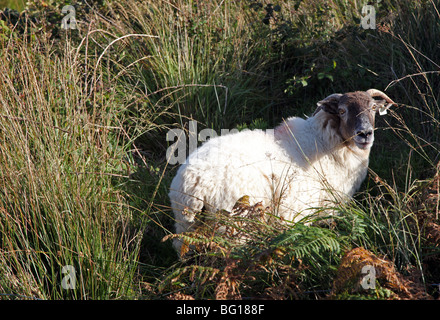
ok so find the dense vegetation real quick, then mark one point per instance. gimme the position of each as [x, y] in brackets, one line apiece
[83, 171]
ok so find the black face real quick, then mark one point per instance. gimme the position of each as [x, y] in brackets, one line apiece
[355, 113]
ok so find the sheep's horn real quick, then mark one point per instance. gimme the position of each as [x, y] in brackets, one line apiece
[377, 93]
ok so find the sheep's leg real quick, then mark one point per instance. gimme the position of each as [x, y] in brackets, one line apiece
[185, 208]
[180, 226]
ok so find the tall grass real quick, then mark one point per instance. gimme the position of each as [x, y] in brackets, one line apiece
[205, 64]
[58, 203]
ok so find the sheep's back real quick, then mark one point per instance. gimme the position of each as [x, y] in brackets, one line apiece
[225, 168]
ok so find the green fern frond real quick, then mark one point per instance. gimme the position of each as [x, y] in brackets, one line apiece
[302, 241]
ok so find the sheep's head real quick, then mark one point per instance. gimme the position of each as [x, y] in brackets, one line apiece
[353, 114]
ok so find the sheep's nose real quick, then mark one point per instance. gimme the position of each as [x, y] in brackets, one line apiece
[364, 133]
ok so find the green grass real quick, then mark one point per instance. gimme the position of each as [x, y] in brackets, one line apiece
[84, 115]
[13, 4]
[59, 205]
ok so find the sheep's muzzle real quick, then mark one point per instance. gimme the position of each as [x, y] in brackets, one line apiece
[364, 134]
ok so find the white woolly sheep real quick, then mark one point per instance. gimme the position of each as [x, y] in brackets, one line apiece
[301, 165]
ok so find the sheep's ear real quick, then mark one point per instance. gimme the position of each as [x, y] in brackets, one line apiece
[329, 104]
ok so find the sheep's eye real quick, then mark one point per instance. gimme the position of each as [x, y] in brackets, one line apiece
[341, 112]
[374, 107]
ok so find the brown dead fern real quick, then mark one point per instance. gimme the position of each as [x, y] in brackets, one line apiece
[350, 276]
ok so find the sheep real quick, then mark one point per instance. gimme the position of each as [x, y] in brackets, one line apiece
[301, 165]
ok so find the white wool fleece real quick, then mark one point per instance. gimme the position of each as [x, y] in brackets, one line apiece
[299, 166]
